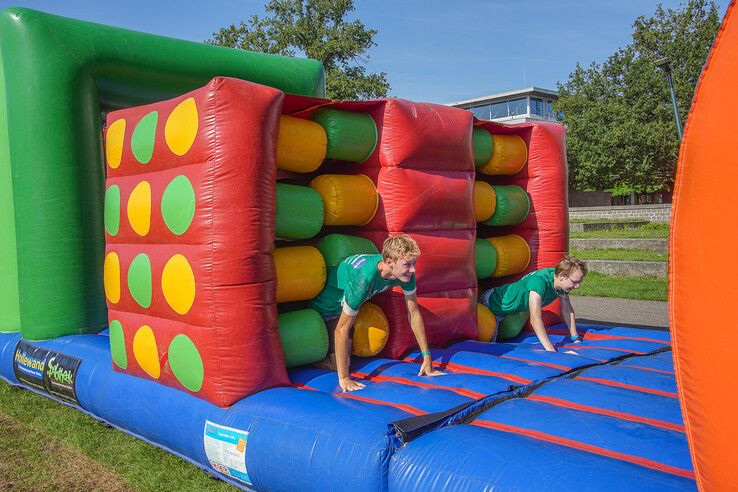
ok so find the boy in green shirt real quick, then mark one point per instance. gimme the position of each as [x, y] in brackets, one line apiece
[536, 290]
[358, 279]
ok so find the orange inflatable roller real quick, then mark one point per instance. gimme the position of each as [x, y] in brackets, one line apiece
[301, 273]
[486, 324]
[301, 145]
[509, 155]
[485, 201]
[513, 254]
[348, 200]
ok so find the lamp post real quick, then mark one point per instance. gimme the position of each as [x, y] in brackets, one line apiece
[663, 64]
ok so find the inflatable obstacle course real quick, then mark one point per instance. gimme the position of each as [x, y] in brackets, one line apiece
[215, 246]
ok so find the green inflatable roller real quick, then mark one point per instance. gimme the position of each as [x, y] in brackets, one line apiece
[299, 211]
[482, 145]
[337, 247]
[351, 136]
[512, 325]
[304, 337]
[485, 257]
[512, 206]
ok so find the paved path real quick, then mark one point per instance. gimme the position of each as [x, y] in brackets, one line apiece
[607, 310]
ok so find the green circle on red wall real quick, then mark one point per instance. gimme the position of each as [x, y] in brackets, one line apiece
[186, 363]
[118, 344]
[178, 205]
[142, 140]
[112, 210]
[139, 280]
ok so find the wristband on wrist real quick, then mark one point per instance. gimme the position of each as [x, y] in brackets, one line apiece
[424, 353]
[575, 338]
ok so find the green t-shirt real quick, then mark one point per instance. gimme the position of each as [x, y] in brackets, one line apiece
[356, 280]
[514, 297]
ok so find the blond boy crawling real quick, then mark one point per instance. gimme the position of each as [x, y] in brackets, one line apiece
[358, 279]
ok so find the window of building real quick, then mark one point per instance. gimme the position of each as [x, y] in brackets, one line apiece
[481, 112]
[547, 109]
[498, 110]
[536, 106]
[518, 107]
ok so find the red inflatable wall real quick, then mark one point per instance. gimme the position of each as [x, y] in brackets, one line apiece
[545, 178]
[425, 179]
[196, 310]
[424, 173]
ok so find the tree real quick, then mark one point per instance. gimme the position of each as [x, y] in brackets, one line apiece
[621, 133]
[317, 29]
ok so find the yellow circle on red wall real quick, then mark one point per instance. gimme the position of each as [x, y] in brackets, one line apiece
[111, 277]
[139, 208]
[145, 351]
[181, 127]
[178, 284]
[114, 143]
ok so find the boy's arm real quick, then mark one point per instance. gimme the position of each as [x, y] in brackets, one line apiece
[418, 327]
[343, 353]
[536, 320]
[567, 313]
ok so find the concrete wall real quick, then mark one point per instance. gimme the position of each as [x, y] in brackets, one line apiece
[653, 213]
[589, 198]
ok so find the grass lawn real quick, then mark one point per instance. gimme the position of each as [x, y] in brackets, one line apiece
[653, 229]
[644, 288]
[619, 254]
[47, 446]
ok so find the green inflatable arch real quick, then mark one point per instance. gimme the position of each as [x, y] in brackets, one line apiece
[56, 77]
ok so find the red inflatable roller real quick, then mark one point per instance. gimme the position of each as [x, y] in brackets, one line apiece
[416, 200]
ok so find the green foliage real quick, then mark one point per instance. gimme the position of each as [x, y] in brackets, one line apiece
[317, 29]
[621, 134]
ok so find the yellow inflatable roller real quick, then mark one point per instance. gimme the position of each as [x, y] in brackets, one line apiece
[486, 324]
[485, 200]
[513, 254]
[301, 273]
[301, 145]
[371, 330]
[509, 155]
[348, 200]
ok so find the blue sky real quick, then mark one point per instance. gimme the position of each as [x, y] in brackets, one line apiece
[432, 50]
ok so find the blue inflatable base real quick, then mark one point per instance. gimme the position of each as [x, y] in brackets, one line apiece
[506, 416]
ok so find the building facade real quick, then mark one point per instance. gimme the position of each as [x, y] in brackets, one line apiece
[518, 106]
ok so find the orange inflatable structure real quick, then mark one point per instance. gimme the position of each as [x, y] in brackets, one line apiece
[702, 295]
